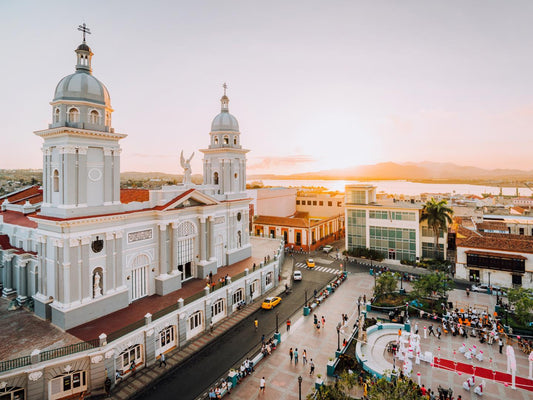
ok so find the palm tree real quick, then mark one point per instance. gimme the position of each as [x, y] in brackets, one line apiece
[438, 215]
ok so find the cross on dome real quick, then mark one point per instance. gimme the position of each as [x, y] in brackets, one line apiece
[225, 86]
[83, 28]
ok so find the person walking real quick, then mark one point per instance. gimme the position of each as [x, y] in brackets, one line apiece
[323, 321]
[500, 343]
[288, 325]
[295, 356]
[162, 360]
[304, 357]
[262, 385]
[312, 367]
[290, 354]
[431, 331]
[256, 324]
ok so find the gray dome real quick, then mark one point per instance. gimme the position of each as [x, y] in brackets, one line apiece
[84, 87]
[224, 122]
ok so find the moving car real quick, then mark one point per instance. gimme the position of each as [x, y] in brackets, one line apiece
[270, 303]
[327, 248]
[310, 263]
[297, 275]
[483, 288]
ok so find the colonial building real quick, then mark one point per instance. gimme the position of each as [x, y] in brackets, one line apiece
[82, 248]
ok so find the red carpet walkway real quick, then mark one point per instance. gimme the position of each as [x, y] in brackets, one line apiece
[484, 373]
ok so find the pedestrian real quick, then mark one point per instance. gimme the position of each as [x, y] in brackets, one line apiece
[358, 308]
[295, 356]
[256, 324]
[288, 325]
[162, 360]
[315, 319]
[312, 367]
[500, 343]
[107, 386]
[416, 328]
[318, 326]
[263, 338]
[210, 277]
[210, 327]
[364, 298]
[431, 332]
[262, 385]
[439, 332]
[290, 354]
[323, 321]
[304, 357]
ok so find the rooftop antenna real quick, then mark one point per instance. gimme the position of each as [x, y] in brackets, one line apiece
[83, 28]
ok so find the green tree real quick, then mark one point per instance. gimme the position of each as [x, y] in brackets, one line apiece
[401, 389]
[438, 215]
[437, 283]
[522, 300]
[340, 390]
[386, 283]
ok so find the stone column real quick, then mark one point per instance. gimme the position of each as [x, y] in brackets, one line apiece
[174, 248]
[109, 273]
[163, 249]
[82, 175]
[212, 255]
[8, 272]
[203, 244]
[22, 288]
[119, 267]
[85, 273]
[108, 176]
[47, 188]
[61, 283]
[74, 288]
[116, 175]
[41, 253]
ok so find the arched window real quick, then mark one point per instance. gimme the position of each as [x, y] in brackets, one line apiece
[55, 177]
[195, 321]
[107, 118]
[226, 140]
[216, 139]
[94, 117]
[56, 115]
[139, 270]
[73, 115]
[215, 178]
[239, 239]
[217, 309]
[235, 140]
[238, 296]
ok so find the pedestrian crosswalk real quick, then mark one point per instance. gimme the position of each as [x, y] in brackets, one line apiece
[317, 268]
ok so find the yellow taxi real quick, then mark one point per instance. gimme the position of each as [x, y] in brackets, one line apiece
[270, 303]
[310, 263]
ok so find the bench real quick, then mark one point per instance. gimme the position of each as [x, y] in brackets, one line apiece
[259, 356]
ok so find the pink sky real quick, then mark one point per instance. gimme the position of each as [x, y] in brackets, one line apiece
[315, 85]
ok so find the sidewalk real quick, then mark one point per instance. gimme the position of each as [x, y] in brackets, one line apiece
[149, 375]
[280, 374]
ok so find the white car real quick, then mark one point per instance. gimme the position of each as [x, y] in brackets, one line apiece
[297, 275]
[327, 248]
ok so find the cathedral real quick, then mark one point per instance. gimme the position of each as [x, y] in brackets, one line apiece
[80, 247]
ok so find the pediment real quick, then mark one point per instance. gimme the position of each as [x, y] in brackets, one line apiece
[190, 198]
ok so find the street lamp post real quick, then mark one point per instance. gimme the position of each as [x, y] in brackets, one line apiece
[277, 323]
[401, 281]
[339, 336]
[300, 387]
[305, 303]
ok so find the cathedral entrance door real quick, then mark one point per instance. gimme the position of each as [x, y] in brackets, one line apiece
[139, 286]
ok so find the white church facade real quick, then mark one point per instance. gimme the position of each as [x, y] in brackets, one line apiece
[82, 248]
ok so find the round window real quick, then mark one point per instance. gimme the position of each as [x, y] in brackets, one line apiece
[239, 216]
[235, 175]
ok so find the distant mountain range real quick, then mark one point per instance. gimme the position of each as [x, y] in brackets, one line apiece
[422, 171]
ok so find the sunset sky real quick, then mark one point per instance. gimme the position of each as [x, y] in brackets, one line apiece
[315, 85]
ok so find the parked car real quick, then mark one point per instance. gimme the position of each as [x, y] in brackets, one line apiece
[297, 275]
[327, 248]
[270, 303]
[483, 288]
[310, 263]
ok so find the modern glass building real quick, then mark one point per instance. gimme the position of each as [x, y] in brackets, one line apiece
[391, 227]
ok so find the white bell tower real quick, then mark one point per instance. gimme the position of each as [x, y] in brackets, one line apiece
[225, 159]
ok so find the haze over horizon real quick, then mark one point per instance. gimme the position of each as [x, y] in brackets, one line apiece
[315, 86]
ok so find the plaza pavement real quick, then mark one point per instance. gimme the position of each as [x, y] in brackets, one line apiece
[282, 376]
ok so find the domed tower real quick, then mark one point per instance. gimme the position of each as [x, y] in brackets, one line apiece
[225, 159]
[81, 153]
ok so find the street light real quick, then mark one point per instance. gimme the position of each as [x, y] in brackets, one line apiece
[300, 387]
[339, 336]
[277, 324]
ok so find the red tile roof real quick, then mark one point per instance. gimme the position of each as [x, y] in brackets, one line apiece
[17, 218]
[281, 221]
[131, 195]
[497, 241]
[4, 242]
[492, 226]
[33, 193]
